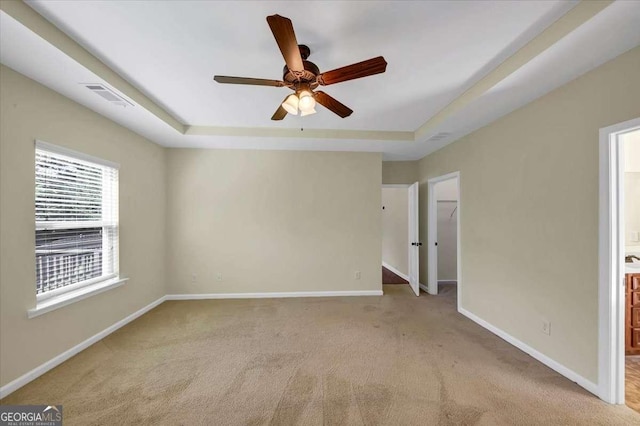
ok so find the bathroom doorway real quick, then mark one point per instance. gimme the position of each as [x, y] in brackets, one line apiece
[630, 144]
[619, 294]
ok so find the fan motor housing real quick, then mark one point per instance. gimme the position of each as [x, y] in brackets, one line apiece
[310, 73]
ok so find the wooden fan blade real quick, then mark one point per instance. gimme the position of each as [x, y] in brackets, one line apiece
[333, 105]
[350, 72]
[244, 80]
[280, 112]
[282, 30]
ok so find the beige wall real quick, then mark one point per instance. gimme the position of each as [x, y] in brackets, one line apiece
[395, 228]
[399, 172]
[529, 212]
[272, 221]
[447, 190]
[30, 111]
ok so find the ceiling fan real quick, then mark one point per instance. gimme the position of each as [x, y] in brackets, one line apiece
[303, 76]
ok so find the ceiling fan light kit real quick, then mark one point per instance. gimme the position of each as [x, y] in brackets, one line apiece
[303, 76]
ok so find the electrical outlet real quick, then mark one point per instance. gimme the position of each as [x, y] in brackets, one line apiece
[546, 327]
[635, 236]
[194, 278]
[357, 275]
[219, 276]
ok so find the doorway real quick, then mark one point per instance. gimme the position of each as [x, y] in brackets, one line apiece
[619, 243]
[443, 229]
[400, 245]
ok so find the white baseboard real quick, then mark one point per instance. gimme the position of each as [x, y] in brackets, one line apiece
[424, 287]
[554, 365]
[54, 362]
[274, 295]
[395, 271]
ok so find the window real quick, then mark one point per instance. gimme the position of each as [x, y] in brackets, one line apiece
[76, 216]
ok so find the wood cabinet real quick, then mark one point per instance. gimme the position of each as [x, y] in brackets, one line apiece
[632, 315]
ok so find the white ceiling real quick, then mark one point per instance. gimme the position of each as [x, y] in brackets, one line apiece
[170, 51]
[612, 32]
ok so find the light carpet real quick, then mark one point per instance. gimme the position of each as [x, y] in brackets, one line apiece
[391, 360]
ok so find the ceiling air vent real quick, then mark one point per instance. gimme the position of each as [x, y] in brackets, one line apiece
[108, 94]
[439, 136]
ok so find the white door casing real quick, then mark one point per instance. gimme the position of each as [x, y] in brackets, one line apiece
[414, 240]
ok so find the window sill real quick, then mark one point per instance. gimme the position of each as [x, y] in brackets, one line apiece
[65, 299]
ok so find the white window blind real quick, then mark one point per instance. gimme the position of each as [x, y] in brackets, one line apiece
[76, 216]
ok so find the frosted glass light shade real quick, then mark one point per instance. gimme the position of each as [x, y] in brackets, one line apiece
[308, 112]
[291, 104]
[307, 103]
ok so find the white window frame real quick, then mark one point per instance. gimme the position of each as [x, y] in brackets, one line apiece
[54, 299]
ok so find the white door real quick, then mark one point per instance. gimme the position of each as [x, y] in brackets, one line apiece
[414, 240]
